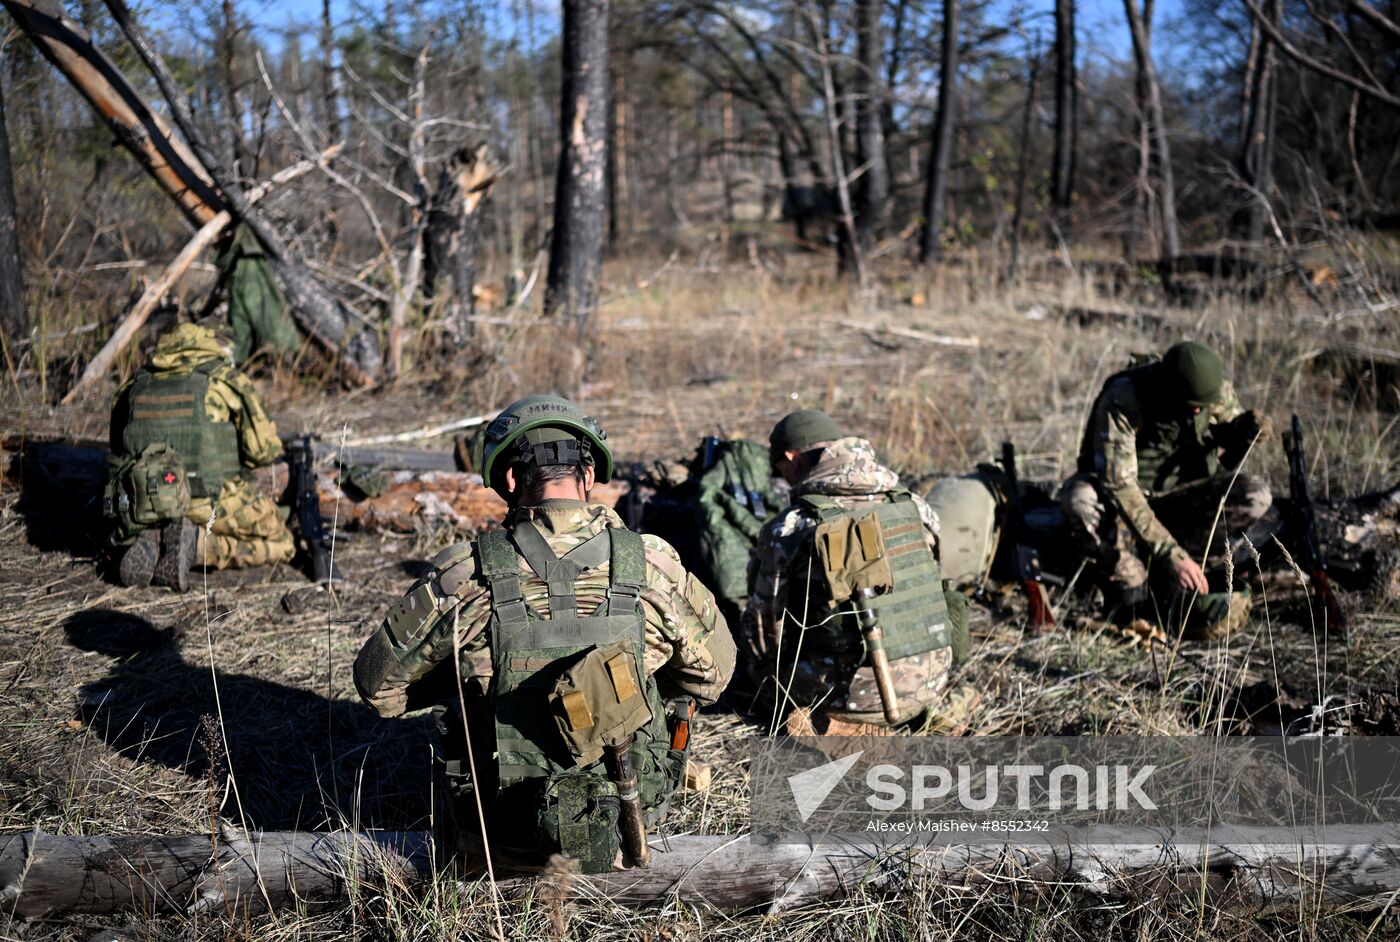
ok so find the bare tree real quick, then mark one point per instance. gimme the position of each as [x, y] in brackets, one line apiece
[1023, 158]
[14, 318]
[1255, 163]
[1156, 120]
[452, 234]
[580, 197]
[853, 254]
[1066, 112]
[873, 185]
[941, 145]
[330, 79]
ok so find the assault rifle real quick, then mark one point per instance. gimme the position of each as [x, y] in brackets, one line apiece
[301, 465]
[1025, 558]
[1302, 524]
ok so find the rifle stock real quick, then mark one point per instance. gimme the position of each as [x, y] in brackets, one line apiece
[1023, 556]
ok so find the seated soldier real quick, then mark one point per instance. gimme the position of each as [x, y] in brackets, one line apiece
[804, 633]
[1161, 450]
[563, 634]
[184, 432]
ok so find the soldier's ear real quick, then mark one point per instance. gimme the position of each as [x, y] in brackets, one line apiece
[588, 477]
[512, 485]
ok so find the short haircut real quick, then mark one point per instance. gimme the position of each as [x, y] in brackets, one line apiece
[536, 476]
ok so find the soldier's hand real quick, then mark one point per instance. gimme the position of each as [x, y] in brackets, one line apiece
[1251, 424]
[1189, 576]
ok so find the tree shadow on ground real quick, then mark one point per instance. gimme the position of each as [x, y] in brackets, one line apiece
[298, 760]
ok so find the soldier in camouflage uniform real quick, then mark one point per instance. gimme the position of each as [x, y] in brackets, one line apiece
[1159, 453]
[527, 608]
[786, 623]
[228, 523]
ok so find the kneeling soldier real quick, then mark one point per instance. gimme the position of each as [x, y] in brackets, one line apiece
[849, 614]
[1157, 459]
[573, 643]
[185, 431]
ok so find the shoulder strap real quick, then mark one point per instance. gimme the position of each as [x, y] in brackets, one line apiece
[502, 571]
[627, 570]
[821, 505]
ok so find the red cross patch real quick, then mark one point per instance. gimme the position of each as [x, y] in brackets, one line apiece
[169, 477]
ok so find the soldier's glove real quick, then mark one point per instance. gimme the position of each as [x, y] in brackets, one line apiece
[1237, 435]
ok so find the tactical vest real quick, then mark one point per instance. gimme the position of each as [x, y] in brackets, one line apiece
[169, 409]
[536, 777]
[1171, 448]
[913, 617]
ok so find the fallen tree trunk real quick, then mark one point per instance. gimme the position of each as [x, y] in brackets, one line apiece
[143, 132]
[207, 234]
[45, 875]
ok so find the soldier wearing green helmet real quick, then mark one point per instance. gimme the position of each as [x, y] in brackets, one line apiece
[1164, 441]
[571, 641]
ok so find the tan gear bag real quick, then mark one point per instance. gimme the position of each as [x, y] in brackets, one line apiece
[600, 701]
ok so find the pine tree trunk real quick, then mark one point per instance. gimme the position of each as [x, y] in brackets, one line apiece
[873, 187]
[1257, 136]
[1066, 112]
[330, 88]
[14, 318]
[941, 145]
[580, 198]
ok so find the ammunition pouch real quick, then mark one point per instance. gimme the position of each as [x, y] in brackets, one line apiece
[600, 700]
[958, 634]
[145, 491]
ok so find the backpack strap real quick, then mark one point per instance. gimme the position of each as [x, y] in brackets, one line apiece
[824, 507]
[502, 571]
[627, 572]
[559, 574]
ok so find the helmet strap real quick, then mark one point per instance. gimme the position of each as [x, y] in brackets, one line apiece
[570, 452]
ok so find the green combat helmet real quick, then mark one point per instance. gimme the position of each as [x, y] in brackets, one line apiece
[544, 430]
[1194, 373]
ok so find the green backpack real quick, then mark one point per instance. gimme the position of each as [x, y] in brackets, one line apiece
[736, 496]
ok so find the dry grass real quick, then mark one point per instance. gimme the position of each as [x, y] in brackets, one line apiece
[104, 691]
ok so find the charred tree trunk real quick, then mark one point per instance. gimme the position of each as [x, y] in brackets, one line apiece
[1023, 162]
[941, 145]
[580, 200]
[14, 318]
[1066, 113]
[873, 187]
[330, 80]
[1256, 157]
[452, 235]
[1155, 118]
[240, 158]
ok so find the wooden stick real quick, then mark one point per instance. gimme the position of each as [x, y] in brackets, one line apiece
[427, 431]
[940, 339]
[44, 875]
[127, 329]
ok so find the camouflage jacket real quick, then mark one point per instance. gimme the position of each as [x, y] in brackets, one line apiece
[688, 646]
[1111, 446]
[849, 473]
[231, 396]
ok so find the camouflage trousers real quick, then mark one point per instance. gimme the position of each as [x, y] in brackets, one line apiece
[848, 692]
[248, 529]
[1187, 511]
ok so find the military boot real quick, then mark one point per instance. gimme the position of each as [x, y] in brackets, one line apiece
[138, 562]
[177, 543]
[1217, 615]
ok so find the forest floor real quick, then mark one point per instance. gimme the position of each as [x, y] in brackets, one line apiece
[139, 710]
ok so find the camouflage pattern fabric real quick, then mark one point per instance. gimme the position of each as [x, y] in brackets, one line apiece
[249, 529]
[1112, 456]
[688, 646]
[851, 474]
[1186, 512]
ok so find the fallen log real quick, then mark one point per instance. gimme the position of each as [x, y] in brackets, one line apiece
[99, 365]
[43, 876]
[141, 130]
